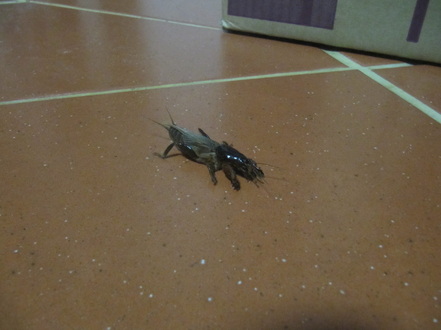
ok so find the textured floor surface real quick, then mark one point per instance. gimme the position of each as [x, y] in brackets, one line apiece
[98, 233]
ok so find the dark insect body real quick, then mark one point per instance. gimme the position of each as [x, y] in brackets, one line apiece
[216, 156]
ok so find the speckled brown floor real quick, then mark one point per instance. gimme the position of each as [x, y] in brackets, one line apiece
[98, 233]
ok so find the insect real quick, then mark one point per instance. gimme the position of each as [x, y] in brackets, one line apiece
[216, 156]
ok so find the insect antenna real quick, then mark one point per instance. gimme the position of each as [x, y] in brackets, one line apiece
[276, 178]
[157, 122]
[267, 187]
[266, 164]
[273, 177]
[269, 191]
[171, 118]
[166, 126]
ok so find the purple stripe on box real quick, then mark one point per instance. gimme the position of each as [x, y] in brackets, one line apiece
[417, 20]
[314, 13]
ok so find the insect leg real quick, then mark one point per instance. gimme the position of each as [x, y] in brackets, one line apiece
[231, 175]
[211, 170]
[203, 133]
[210, 160]
[166, 151]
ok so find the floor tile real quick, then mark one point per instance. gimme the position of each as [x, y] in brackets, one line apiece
[109, 52]
[344, 232]
[203, 12]
[422, 81]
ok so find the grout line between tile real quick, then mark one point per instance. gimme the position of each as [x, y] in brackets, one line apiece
[387, 84]
[11, 2]
[107, 12]
[389, 66]
[194, 83]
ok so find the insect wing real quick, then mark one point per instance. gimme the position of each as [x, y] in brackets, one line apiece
[194, 146]
[198, 143]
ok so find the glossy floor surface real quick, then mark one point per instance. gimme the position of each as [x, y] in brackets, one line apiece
[99, 233]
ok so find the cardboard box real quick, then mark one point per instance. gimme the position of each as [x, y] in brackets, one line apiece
[405, 28]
